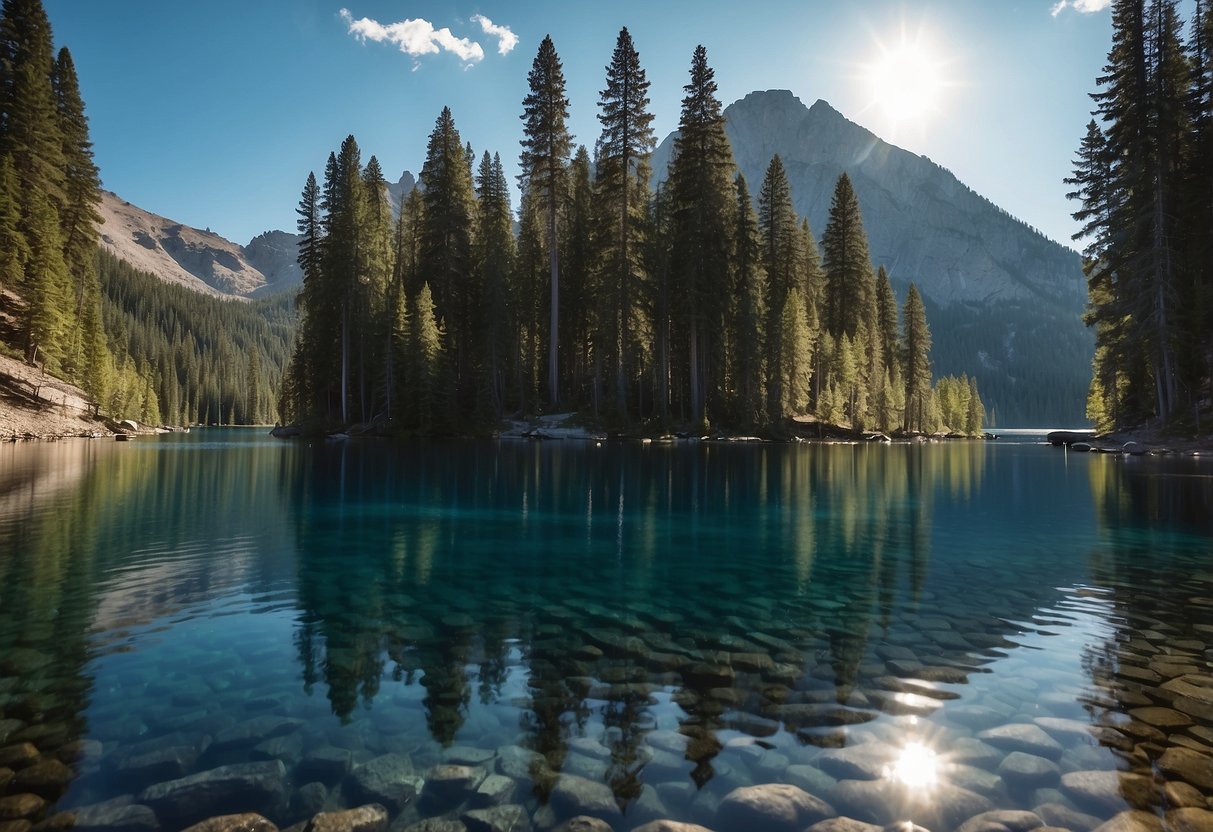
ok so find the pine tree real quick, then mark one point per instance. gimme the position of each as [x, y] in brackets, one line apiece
[623, 152]
[14, 251]
[546, 145]
[31, 131]
[47, 286]
[749, 310]
[427, 352]
[446, 256]
[576, 282]
[777, 221]
[848, 266]
[78, 217]
[797, 358]
[702, 200]
[495, 256]
[975, 415]
[916, 361]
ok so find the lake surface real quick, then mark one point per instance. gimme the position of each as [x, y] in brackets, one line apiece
[197, 624]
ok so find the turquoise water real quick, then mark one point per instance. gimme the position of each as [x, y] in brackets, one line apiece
[904, 632]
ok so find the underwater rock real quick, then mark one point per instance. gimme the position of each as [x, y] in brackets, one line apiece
[1191, 766]
[447, 786]
[369, 818]
[308, 799]
[858, 762]
[327, 764]
[572, 796]
[1027, 771]
[388, 780]
[18, 806]
[1002, 821]
[246, 822]
[253, 787]
[46, 778]
[507, 818]
[776, 807]
[1025, 737]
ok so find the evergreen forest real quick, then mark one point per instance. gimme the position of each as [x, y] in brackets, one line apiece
[1143, 177]
[138, 347]
[682, 307]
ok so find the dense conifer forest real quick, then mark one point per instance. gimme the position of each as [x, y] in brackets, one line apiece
[202, 360]
[1143, 176]
[683, 307]
[139, 348]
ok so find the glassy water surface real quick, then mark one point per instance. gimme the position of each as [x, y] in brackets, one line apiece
[197, 624]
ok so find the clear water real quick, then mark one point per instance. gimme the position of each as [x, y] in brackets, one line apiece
[674, 622]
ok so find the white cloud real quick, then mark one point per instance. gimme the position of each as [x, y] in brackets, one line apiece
[1082, 6]
[506, 39]
[414, 37]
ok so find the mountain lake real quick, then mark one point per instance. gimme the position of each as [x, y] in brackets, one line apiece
[509, 634]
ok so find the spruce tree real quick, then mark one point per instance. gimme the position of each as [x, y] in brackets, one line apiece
[31, 130]
[848, 266]
[14, 251]
[546, 144]
[916, 361]
[702, 208]
[495, 256]
[576, 282]
[749, 310]
[78, 216]
[623, 153]
[47, 287]
[781, 262]
[797, 358]
[446, 255]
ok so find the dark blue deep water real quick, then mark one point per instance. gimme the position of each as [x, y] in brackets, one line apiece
[192, 625]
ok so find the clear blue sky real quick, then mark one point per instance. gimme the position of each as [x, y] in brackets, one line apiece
[213, 113]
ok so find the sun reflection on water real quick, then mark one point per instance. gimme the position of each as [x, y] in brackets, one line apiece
[917, 766]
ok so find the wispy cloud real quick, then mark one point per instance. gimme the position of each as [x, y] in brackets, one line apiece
[506, 39]
[414, 37]
[1082, 6]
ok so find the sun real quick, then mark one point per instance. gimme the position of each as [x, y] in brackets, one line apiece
[907, 80]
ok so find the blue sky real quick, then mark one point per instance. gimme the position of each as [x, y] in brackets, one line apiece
[213, 113]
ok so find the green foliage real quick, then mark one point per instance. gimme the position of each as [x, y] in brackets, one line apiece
[916, 363]
[1142, 177]
[202, 359]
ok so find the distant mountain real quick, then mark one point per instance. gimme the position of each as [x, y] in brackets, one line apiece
[400, 190]
[198, 259]
[1004, 302]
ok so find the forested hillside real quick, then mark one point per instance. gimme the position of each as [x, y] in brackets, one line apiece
[205, 360]
[683, 307]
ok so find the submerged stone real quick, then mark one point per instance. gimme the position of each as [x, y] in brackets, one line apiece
[1190, 766]
[572, 796]
[369, 818]
[777, 807]
[1132, 821]
[18, 806]
[507, 818]
[1028, 771]
[247, 822]
[388, 780]
[252, 787]
[1025, 737]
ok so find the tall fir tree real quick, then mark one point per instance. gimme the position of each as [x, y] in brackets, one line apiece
[748, 309]
[495, 257]
[623, 152]
[546, 145]
[781, 263]
[916, 361]
[702, 208]
[445, 260]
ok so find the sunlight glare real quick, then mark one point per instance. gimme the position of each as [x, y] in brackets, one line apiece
[916, 766]
[906, 80]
